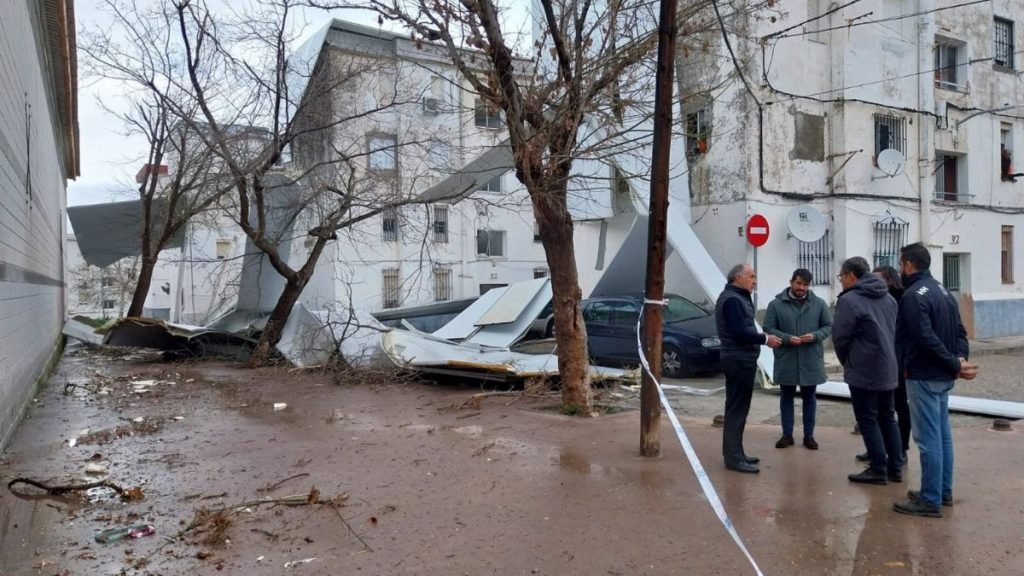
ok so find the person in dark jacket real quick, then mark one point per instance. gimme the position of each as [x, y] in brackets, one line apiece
[933, 351]
[740, 346]
[891, 276]
[803, 322]
[864, 334]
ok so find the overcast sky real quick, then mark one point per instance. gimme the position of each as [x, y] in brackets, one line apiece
[109, 158]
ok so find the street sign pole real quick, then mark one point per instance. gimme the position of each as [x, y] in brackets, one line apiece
[757, 234]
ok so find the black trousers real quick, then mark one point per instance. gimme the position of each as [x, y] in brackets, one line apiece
[739, 388]
[876, 417]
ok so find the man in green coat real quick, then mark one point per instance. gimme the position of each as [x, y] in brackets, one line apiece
[802, 321]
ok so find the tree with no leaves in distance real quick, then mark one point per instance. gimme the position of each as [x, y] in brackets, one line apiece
[585, 57]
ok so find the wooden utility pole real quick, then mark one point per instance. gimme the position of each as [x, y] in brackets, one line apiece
[650, 405]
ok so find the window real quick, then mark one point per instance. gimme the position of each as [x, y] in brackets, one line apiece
[486, 116]
[392, 287]
[223, 249]
[815, 25]
[109, 304]
[493, 185]
[947, 62]
[490, 243]
[383, 153]
[485, 288]
[698, 132]
[948, 177]
[440, 224]
[540, 273]
[1006, 153]
[612, 313]
[536, 234]
[890, 132]
[389, 224]
[442, 284]
[890, 235]
[107, 282]
[1006, 254]
[1003, 43]
[817, 257]
[951, 272]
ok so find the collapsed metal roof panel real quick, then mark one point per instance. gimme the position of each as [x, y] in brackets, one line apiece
[109, 232]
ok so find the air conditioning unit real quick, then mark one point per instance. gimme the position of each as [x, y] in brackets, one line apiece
[432, 106]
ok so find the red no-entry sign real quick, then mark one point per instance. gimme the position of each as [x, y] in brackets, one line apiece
[757, 230]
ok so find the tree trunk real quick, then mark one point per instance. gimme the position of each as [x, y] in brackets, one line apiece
[142, 287]
[275, 324]
[556, 231]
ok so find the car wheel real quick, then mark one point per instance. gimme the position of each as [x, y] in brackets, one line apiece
[549, 332]
[673, 362]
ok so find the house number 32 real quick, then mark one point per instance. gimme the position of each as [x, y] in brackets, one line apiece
[955, 239]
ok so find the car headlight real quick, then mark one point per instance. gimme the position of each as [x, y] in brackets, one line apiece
[710, 342]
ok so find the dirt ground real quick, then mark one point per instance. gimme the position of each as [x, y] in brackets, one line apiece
[397, 479]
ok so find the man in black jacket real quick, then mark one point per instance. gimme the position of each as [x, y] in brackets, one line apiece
[933, 352]
[863, 335]
[741, 345]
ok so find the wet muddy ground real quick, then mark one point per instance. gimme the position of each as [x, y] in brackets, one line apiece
[397, 479]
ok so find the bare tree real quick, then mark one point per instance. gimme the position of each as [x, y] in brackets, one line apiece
[584, 57]
[176, 182]
[240, 69]
[97, 287]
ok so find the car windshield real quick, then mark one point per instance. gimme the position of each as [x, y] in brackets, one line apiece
[680, 310]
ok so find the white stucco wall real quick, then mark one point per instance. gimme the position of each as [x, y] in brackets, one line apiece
[876, 69]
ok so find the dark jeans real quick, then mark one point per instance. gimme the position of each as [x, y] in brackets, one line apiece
[739, 387]
[903, 413]
[876, 417]
[810, 403]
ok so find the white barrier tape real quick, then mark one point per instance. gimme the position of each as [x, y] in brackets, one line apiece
[698, 469]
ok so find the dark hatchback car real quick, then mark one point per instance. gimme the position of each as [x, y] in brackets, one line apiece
[690, 341]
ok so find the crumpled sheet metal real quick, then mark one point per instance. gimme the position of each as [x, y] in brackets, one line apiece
[409, 349]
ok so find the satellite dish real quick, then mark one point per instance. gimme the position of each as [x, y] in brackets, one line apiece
[891, 162]
[806, 223]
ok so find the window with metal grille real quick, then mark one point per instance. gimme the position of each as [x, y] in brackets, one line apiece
[485, 115]
[951, 272]
[492, 185]
[442, 284]
[890, 235]
[1006, 254]
[890, 132]
[389, 224]
[947, 59]
[817, 257]
[440, 224]
[1003, 38]
[392, 287]
[540, 273]
[698, 132]
[490, 242]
